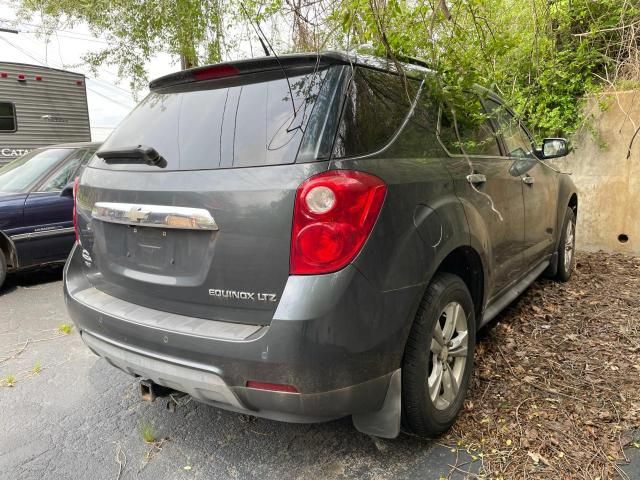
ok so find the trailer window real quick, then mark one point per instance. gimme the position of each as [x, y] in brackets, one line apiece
[7, 117]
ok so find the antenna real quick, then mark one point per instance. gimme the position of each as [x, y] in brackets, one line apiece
[262, 36]
[264, 46]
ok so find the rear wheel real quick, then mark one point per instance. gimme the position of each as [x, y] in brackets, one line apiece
[567, 247]
[3, 268]
[438, 358]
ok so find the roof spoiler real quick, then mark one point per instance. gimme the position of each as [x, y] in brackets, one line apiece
[243, 67]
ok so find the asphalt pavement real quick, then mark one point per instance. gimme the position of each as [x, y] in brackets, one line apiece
[70, 415]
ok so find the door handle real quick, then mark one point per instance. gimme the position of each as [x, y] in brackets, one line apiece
[476, 178]
[528, 180]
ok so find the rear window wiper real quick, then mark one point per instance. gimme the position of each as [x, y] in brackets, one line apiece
[130, 155]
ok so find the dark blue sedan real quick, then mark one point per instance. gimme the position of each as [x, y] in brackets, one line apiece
[36, 206]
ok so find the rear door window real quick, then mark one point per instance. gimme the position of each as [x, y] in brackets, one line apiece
[418, 138]
[202, 127]
[466, 130]
[376, 106]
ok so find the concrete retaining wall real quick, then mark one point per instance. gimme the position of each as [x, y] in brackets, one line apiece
[608, 181]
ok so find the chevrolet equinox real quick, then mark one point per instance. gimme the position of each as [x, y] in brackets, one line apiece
[313, 236]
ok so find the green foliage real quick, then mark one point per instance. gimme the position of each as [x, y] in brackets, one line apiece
[10, 380]
[543, 56]
[37, 367]
[138, 29]
[65, 328]
[147, 432]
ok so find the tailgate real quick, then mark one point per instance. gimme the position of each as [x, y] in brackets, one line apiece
[210, 244]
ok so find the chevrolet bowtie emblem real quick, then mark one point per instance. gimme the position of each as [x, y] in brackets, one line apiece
[136, 214]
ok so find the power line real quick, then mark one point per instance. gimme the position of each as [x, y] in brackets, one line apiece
[121, 91]
[128, 107]
[55, 31]
[130, 101]
[44, 64]
[107, 84]
[87, 35]
[24, 52]
[97, 40]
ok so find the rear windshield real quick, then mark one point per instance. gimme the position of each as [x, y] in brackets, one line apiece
[202, 127]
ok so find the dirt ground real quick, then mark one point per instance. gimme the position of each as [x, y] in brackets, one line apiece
[556, 391]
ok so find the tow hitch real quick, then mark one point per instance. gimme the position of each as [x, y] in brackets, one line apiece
[149, 390]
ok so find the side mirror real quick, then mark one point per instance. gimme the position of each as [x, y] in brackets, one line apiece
[67, 191]
[554, 148]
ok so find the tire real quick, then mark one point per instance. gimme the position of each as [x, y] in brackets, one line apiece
[567, 247]
[3, 268]
[422, 415]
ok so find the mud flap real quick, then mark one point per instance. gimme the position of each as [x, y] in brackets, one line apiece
[552, 269]
[384, 423]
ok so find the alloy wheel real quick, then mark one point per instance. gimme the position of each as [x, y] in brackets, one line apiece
[449, 352]
[569, 246]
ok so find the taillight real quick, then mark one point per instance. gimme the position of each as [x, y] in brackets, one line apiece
[75, 209]
[333, 216]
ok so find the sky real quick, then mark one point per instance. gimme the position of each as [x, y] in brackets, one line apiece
[109, 98]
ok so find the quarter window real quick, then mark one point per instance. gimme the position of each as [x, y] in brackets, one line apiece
[375, 107]
[7, 117]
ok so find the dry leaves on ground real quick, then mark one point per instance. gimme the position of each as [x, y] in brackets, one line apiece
[556, 387]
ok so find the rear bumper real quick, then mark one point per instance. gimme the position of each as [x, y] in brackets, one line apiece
[203, 385]
[340, 347]
[208, 387]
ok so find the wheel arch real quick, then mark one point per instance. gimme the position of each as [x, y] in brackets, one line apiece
[567, 198]
[573, 203]
[9, 249]
[463, 248]
[465, 262]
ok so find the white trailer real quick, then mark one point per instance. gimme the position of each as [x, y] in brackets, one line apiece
[40, 106]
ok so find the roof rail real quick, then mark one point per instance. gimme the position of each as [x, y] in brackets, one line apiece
[413, 61]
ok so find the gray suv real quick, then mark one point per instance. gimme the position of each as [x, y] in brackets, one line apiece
[313, 237]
